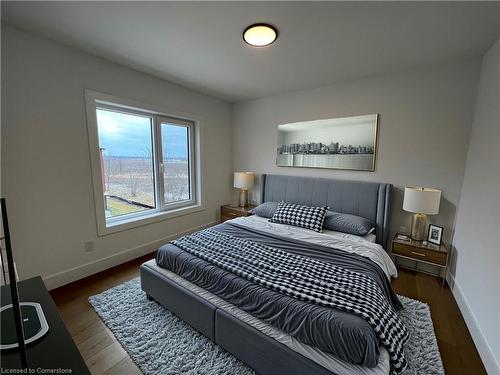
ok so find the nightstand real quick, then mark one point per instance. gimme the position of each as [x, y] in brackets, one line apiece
[229, 212]
[436, 255]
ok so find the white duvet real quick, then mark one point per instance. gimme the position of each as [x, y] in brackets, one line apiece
[363, 246]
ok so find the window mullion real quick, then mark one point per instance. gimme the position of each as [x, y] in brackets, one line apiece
[159, 176]
[192, 161]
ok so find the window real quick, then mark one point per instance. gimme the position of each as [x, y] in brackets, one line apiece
[127, 165]
[176, 168]
[144, 162]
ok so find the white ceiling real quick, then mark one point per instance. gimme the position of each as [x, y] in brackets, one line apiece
[199, 45]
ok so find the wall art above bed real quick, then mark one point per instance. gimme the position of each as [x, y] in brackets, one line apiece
[337, 143]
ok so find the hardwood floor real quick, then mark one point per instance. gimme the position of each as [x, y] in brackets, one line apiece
[457, 349]
[97, 344]
[104, 355]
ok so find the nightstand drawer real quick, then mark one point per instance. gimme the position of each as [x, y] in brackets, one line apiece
[226, 217]
[230, 212]
[419, 253]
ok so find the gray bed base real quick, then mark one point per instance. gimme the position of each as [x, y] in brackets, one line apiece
[265, 355]
[260, 352]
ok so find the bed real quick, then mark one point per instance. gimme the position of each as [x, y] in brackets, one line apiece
[264, 329]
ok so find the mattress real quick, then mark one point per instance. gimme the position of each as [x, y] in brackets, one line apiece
[326, 360]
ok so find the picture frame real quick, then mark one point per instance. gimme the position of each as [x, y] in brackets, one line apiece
[348, 143]
[435, 234]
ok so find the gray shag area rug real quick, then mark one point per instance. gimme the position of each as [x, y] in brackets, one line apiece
[160, 343]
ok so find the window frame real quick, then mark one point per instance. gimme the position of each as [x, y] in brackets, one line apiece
[162, 211]
[159, 149]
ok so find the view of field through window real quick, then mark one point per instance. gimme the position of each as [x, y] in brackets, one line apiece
[175, 142]
[127, 163]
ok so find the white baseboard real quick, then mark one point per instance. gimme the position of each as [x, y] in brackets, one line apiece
[484, 349]
[76, 273]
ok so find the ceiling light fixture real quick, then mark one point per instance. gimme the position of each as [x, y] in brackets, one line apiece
[260, 34]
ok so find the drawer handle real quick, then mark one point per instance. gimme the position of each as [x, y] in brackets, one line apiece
[421, 254]
[231, 214]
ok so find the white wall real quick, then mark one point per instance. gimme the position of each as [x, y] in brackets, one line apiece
[424, 124]
[45, 156]
[476, 258]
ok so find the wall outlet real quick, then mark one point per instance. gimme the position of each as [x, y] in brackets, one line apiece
[402, 229]
[89, 246]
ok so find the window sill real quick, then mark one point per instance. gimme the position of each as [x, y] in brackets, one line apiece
[153, 217]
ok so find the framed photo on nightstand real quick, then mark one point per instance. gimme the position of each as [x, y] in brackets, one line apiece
[435, 234]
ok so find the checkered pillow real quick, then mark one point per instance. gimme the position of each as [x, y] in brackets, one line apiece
[300, 216]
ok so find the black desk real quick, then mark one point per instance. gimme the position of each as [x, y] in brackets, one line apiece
[56, 350]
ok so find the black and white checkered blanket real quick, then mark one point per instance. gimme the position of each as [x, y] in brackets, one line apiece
[306, 279]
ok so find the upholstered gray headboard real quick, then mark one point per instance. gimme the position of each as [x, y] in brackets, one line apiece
[371, 200]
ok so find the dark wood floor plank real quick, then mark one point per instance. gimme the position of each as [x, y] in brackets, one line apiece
[106, 359]
[104, 355]
[96, 342]
[125, 366]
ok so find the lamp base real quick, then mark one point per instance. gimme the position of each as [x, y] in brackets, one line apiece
[418, 227]
[243, 198]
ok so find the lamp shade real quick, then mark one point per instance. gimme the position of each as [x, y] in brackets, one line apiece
[243, 180]
[422, 200]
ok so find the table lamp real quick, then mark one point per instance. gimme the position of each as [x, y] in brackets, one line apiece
[243, 181]
[422, 202]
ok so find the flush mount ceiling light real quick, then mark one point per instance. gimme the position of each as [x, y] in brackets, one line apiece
[260, 34]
